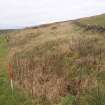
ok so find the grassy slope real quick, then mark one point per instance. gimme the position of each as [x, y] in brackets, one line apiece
[95, 20]
[76, 54]
[6, 96]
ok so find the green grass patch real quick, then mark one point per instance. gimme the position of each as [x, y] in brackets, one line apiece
[68, 100]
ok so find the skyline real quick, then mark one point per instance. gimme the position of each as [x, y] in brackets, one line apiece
[25, 13]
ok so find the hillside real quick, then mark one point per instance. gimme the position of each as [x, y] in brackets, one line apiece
[95, 20]
[60, 63]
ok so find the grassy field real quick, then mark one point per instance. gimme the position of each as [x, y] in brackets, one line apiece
[58, 64]
[6, 95]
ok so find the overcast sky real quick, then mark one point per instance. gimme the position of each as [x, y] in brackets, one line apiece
[21, 13]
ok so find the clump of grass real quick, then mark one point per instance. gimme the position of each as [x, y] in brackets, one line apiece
[68, 100]
[90, 65]
[96, 97]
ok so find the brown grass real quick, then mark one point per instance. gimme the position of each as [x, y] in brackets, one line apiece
[54, 62]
